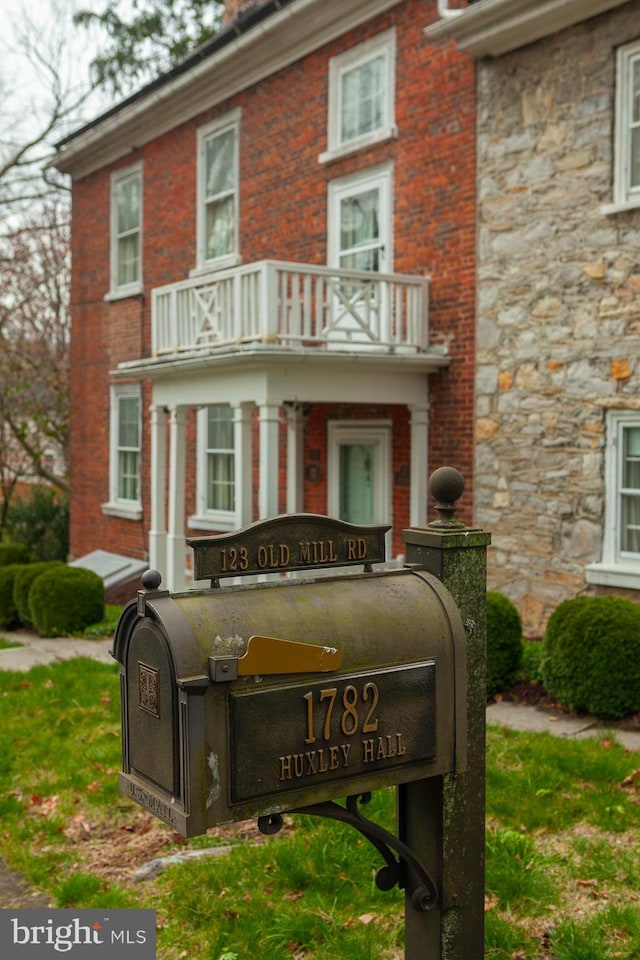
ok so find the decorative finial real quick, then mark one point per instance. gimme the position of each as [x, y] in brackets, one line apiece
[151, 579]
[446, 486]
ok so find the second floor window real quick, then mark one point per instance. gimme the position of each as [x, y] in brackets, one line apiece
[126, 231]
[218, 193]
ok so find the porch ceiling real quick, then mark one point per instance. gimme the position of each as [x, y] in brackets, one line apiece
[264, 374]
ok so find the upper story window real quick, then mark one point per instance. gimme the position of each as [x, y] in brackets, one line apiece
[126, 231]
[362, 95]
[218, 176]
[125, 453]
[627, 143]
[620, 564]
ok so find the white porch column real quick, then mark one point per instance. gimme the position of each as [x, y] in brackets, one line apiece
[295, 451]
[419, 465]
[242, 435]
[176, 551]
[158, 530]
[269, 417]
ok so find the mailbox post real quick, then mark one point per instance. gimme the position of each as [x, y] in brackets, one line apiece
[456, 555]
[255, 700]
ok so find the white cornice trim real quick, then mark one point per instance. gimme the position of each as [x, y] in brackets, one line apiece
[279, 40]
[494, 27]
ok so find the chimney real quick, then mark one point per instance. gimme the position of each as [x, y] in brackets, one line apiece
[233, 8]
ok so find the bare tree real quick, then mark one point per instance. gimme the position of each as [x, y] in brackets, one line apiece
[34, 342]
[40, 101]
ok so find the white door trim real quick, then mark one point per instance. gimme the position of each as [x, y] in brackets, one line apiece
[377, 433]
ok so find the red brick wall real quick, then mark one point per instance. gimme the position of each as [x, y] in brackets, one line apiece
[283, 215]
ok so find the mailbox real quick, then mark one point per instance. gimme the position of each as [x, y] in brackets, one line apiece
[251, 699]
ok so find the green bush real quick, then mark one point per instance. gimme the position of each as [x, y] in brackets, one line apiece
[14, 553]
[504, 642]
[532, 660]
[42, 523]
[9, 618]
[591, 656]
[24, 578]
[65, 600]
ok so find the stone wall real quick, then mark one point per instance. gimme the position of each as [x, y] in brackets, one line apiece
[558, 333]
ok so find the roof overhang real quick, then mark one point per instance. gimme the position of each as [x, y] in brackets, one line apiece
[490, 28]
[177, 368]
[238, 60]
[279, 376]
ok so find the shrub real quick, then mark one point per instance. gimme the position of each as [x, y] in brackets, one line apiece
[65, 600]
[531, 660]
[42, 523]
[504, 642]
[591, 656]
[14, 553]
[25, 575]
[9, 618]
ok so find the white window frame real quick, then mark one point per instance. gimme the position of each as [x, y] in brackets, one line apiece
[625, 196]
[380, 177]
[118, 291]
[119, 506]
[382, 45]
[204, 518]
[230, 121]
[617, 568]
[349, 432]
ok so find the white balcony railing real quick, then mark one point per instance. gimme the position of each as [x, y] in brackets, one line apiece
[291, 305]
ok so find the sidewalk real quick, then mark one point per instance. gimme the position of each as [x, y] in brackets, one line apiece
[36, 650]
[535, 720]
[42, 650]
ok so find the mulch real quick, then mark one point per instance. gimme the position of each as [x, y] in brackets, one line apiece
[533, 694]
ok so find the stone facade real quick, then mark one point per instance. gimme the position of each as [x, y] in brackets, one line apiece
[558, 323]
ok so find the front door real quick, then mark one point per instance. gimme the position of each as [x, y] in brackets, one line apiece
[359, 468]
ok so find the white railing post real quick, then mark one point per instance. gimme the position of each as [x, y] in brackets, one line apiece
[291, 304]
[269, 302]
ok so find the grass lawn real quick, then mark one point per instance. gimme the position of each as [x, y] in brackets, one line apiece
[563, 844]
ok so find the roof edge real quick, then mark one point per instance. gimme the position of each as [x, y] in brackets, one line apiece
[494, 27]
[259, 42]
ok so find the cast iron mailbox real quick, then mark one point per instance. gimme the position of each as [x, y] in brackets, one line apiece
[249, 700]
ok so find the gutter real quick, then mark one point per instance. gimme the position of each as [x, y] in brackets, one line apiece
[494, 27]
[246, 20]
[256, 45]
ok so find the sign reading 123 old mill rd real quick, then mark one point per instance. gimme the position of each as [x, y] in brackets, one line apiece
[80, 934]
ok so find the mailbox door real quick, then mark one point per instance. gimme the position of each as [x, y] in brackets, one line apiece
[152, 708]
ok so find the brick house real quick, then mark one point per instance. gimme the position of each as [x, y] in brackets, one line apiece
[557, 397]
[273, 297]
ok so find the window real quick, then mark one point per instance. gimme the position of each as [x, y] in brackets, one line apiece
[627, 146]
[126, 433]
[217, 465]
[362, 96]
[218, 193]
[621, 547]
[360, 239]
[220, 457]
[126, 231]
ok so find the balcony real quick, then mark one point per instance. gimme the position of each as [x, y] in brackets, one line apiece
[291, 306]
